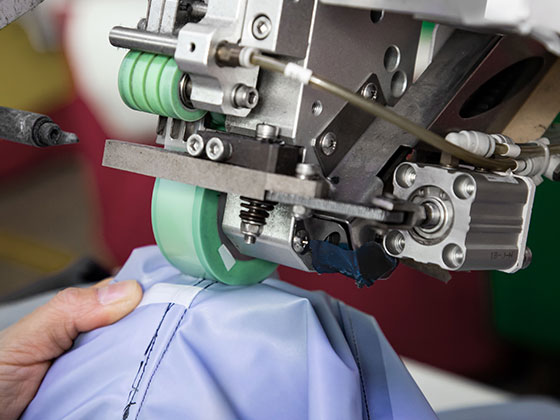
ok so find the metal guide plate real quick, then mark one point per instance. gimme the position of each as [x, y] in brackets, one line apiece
[160, 163]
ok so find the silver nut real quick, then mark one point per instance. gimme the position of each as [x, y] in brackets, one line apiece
[262, 27]
[245, 97]
[218, 150]
[251, 232]
[300, 242]
[328, 144]
[195, 145]
[250, 228]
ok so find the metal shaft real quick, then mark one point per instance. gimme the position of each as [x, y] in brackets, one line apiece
[32, 129]
[135, 39]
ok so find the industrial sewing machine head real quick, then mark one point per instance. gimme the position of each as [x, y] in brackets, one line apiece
[265, 163]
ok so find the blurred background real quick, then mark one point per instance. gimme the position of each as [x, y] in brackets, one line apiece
[60, 206]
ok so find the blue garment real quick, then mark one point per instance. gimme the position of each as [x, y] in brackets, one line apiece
[269, 351]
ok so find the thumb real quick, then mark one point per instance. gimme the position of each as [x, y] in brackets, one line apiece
[51, 329]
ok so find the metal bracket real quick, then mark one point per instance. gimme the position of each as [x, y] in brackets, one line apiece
[160, 163]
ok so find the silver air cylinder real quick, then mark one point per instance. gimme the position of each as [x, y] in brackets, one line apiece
[474, 220]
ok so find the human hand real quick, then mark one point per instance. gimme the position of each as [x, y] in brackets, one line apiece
[28, 347]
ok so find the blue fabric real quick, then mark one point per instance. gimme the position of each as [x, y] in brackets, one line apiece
[365, 265]
[269, 351]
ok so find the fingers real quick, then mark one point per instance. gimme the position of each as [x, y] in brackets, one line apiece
[103, 283]
[50, 330]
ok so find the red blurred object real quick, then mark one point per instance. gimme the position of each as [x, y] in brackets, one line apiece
[124, 199]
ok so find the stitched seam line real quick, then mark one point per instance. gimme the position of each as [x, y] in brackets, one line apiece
[163, 354]
[159, 362]
[142, 368]
[358, 364]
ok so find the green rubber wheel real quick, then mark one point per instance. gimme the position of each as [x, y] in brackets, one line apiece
[169, 94]
[150, 83]
[138, 78]
[185, 224]
[153, 81]
[125, 79]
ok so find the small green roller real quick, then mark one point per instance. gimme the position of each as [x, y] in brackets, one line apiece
[150, 83]
[184, 217]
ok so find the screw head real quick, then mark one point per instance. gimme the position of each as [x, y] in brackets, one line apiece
[405, 175]
[308, 171]
[245, 97]
[301, 212]
[267, 132]
[300, 242]
[142, 24]
[195, 145]
[453, 256]
[328, 144]
[464, 187]
[217, 150]
[262, 27]
[370, 91]
[395, 243]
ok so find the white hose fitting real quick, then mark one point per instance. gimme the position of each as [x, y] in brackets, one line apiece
[480, 144]
[537, 166]
[298, 73]
[245, 56]
[513, 149]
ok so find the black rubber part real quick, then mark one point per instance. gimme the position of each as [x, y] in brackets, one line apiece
[32, 129]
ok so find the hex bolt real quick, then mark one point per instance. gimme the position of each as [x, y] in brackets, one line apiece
[370, 91]
[300, 242]
[245, 96]
[218, 150]
[251, 232]
[328, 144]
[262, 27]
[195, 145]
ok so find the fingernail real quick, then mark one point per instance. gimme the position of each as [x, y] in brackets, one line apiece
[115, 292]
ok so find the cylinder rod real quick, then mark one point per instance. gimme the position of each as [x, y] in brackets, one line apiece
[135, 39]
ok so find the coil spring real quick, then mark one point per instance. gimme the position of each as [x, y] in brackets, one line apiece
[256, 211]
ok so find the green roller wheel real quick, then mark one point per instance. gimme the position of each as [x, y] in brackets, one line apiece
[153, 81]
[138, 78]
[150, 83]
[125, 82]
[185, 223]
